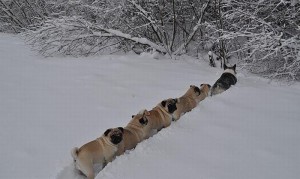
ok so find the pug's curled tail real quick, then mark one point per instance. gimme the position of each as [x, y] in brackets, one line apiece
[74, 153]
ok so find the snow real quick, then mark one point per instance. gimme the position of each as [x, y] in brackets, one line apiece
[48, 106]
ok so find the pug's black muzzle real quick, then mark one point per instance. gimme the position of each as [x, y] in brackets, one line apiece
[116, 138]
[172, 108]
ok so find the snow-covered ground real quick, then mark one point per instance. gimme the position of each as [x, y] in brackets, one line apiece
[48, 106]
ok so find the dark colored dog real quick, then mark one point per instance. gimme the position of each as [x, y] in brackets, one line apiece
[227, 79]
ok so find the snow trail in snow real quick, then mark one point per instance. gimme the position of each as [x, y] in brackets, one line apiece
[49, 106]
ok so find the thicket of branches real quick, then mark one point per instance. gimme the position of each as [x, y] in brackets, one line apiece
[262, 34]
[18, 15]
[164, 26]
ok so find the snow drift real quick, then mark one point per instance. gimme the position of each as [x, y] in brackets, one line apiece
[49, 106]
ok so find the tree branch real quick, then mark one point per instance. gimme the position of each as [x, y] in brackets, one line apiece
[195, 29]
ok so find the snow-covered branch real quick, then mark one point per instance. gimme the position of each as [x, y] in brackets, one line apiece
[262, 34]
[76, 36]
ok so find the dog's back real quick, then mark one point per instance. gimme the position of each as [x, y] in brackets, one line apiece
[157, 119]
[135, 131]
[130, 140]
[227, 79]
[187, 102]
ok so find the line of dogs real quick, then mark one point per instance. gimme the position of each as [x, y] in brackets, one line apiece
[115, 141]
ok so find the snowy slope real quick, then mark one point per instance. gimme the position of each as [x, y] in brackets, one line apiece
[48, 106]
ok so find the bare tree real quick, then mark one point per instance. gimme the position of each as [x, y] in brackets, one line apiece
[18, 15]
[76, 36]
[161, 24]
[263, 34]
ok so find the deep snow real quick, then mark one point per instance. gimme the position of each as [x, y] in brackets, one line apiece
[48, 106]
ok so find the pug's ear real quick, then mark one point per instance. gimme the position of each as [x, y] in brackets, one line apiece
[107, 132]
[121, 129]
[208, 85]
[163, 103]
[132, 116]
[147, 113]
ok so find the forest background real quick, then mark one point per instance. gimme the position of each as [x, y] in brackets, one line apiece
[262, 36]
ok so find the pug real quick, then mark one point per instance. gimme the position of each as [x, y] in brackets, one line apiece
[204, 92]
[97, 152]
[161, 116]
[136, 130]
[190, 99]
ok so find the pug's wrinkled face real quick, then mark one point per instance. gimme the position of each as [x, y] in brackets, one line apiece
[114, 134]
[140, 118]
[195, 89]
[169, 105]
